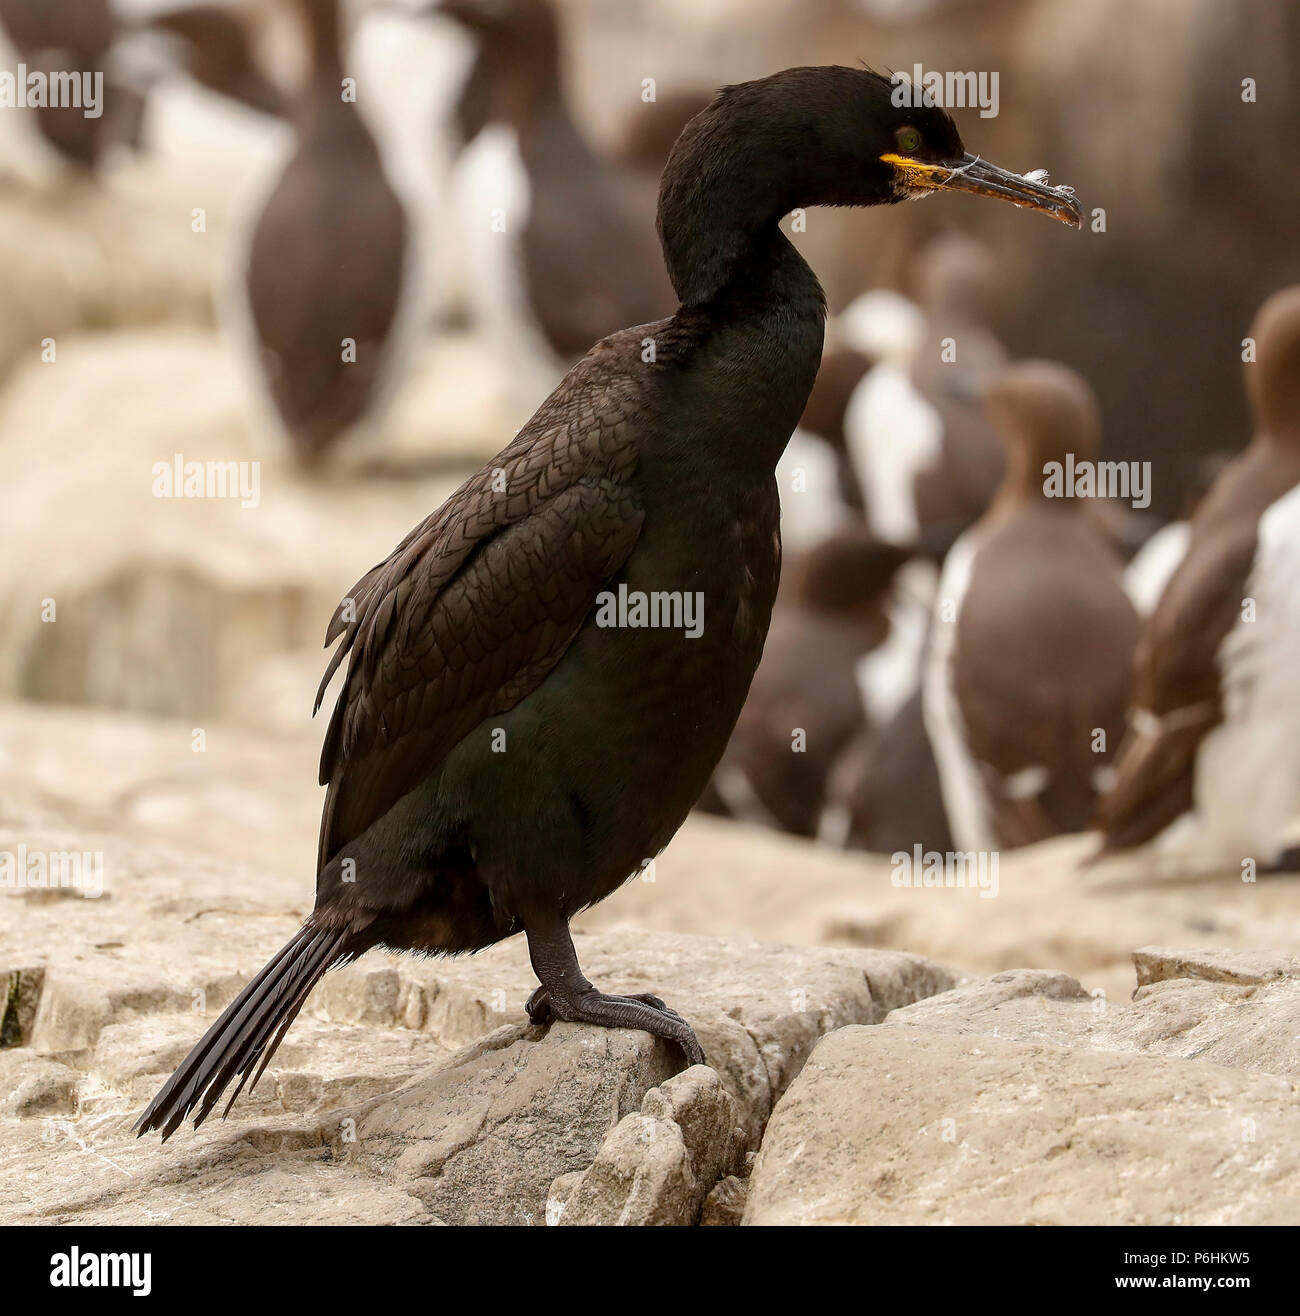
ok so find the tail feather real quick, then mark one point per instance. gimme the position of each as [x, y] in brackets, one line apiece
[234, 1038]
[197, 1071]
[316, 961]
[248, 1039]
[238, 1040]
[290, 1014]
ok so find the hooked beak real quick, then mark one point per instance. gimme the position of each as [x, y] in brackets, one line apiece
[971, 174]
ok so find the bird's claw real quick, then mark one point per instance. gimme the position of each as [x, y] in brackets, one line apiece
[541, 1011]
[538, 1007]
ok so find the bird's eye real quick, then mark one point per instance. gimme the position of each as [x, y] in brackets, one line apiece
[909, 140]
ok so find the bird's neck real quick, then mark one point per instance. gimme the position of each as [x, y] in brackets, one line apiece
[719, 228]
[772, 278]
[750, 305]
[324, 120]
[517, 85]
[324, 37]
[1280, 422]
[549, 138]
[759, 338]
[1026, 480]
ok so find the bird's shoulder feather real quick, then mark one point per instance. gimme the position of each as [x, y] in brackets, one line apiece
[476, 606]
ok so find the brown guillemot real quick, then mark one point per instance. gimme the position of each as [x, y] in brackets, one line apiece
[332, 289]
[1158, 557]
[1213, 739]
[1028, 675]
[928, 459]
[71, 38]
[559, 239]
[215, 46]
[883, 794]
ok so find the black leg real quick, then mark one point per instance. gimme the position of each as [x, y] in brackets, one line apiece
[566, 994]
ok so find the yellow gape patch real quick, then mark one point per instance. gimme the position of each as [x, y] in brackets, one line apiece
[917, 176]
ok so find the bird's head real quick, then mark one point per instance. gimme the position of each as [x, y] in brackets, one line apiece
[1274, 379]
[518, 27]
[958, 279]
[822, 136]
[516, 61]
[853, 137]
[1044, 412]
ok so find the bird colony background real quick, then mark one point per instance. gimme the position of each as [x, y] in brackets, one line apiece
[275, 295]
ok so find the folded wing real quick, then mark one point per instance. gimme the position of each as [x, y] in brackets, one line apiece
[477, 605]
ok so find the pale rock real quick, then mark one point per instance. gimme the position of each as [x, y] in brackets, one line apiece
[486, 1136]
[409, 1090]
[21, 990]
[725, 1205]
[253, 799]
[894, 1126]
[481, 1140]
[86, 254]
[1158, 963]
[557, 1198]
[1246, 1017]
[33, 1086]
[425, 1070]
[657, 1165]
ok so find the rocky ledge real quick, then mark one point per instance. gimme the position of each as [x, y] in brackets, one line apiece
[1024, 1099]
[845, 1085]
[849, 1082]
[414, 1092]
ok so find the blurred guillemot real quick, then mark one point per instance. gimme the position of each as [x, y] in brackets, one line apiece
[883, 794]
[65, 39]
[820, 494]
[653, 128]
[1158, 557]
[805, 704]
[928, 459]
[559, 239]
[1214, 736]
[206, 95]
[215, 46]
[333, 295]
[1030, 660]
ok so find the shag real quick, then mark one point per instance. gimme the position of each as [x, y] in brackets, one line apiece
[498, 759]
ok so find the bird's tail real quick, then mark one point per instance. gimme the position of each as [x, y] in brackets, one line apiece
[249, 1030]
